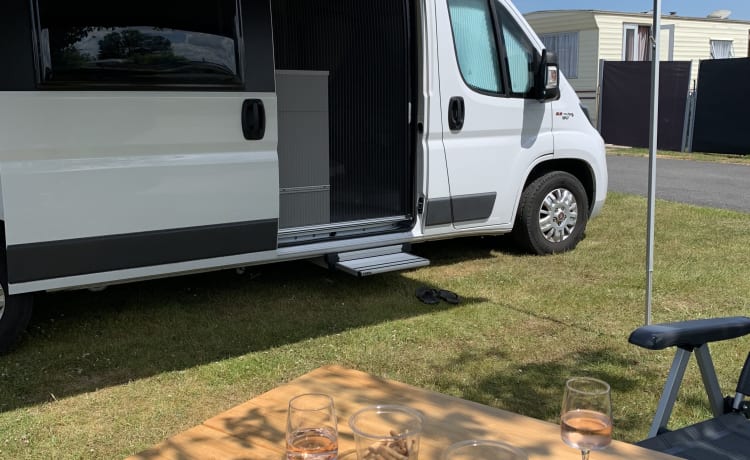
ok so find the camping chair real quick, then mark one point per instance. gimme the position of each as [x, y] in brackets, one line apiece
[727, 434]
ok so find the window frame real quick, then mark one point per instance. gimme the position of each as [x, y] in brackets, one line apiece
[502, 55]
[530, 94]
[17, 52]
[635, 28]
[239, 84]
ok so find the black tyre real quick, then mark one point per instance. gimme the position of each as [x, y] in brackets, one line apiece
[552, 214]
[15, 313]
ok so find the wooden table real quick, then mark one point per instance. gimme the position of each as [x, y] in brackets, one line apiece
[255, 429]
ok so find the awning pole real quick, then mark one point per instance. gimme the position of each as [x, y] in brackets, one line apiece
[653, 137]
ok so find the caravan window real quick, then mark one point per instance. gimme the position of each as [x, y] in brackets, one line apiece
[722, 49]
[636, 43]
[565, 46]
[138, 42]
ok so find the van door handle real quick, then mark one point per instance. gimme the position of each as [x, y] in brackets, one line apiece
[456, 111]
[253, 119]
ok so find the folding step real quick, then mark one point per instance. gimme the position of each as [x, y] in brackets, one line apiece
[378, 260]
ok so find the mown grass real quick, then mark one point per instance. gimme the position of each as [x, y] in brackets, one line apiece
[107, 374]
[697, 156]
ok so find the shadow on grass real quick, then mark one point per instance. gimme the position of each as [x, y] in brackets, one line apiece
[446, 252]
[81, 341]
[536, 389]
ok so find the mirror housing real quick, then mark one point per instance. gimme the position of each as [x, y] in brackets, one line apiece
[548, 78]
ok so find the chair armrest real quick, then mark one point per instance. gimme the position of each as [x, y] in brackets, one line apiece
[689, 334]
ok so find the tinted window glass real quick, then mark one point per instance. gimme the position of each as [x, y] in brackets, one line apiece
[520, 53]
[474, 37]
[139, 42]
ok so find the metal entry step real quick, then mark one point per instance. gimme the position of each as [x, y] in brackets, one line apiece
[378, 260]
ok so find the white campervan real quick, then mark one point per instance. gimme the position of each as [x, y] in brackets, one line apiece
[150, 138]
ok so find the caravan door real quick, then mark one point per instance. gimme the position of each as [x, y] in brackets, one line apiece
[141, 142]
[493, 128]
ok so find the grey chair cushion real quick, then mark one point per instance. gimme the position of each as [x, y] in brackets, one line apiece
[722, 438]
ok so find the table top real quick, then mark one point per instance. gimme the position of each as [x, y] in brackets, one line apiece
[255, 429]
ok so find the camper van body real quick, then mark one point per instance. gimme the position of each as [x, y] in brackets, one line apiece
[259, 150]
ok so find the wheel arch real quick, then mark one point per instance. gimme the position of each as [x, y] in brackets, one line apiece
[580, 169]
[15, 312]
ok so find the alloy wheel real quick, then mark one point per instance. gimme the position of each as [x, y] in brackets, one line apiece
[558, 215]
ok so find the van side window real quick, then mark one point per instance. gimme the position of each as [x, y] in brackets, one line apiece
[520, 54]
[474, 38]
[85, 43]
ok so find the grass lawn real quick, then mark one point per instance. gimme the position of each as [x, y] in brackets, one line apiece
[107, 374]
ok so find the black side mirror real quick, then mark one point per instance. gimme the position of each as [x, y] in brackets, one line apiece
[547, 77]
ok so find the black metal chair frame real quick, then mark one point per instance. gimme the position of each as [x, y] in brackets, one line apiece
[693, 337]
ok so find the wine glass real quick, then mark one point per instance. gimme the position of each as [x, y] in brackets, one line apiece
[586, 416]
[311, 431]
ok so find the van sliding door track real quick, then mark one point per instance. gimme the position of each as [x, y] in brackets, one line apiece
[337, 230]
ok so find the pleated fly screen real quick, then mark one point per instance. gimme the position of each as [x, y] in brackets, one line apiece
[364, 47]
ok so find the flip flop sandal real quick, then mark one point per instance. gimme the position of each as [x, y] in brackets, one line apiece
[427, 295]
[449, 296]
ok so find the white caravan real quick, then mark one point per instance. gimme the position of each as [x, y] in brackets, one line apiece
[151, 138]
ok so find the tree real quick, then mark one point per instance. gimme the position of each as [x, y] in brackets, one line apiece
[131, 43]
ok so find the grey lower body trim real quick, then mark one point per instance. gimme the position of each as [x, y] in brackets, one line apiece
[56, 259]
[439, 212]
[463, 208]
[473, 207]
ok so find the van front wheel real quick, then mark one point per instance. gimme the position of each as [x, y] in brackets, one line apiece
[15, 313]
[552, 214]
